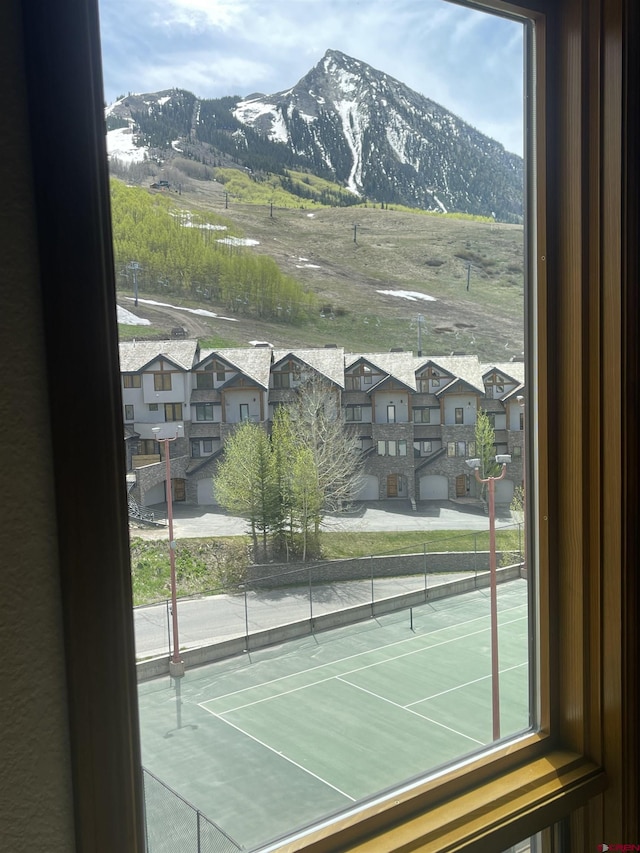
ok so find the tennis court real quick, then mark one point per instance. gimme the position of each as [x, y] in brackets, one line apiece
[271, 741]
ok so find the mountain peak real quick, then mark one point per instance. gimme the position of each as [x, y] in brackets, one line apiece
[384, 141]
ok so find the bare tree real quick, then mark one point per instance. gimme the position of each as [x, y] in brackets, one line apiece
[317, 424]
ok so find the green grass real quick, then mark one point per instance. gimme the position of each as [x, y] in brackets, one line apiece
[208, 565]
[395, 249]
[202, 565]
[129, 333]
[343, 545]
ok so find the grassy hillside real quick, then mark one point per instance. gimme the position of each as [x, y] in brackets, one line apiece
[473, 270]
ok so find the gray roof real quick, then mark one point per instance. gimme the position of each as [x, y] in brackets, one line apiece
[328, 361]
[134, 355]
[253, 362]
[465, 367]
[399, 365]
[513, 369]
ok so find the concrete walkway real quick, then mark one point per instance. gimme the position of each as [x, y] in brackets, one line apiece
[192, 522]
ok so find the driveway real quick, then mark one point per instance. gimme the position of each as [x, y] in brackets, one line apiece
[191, 522]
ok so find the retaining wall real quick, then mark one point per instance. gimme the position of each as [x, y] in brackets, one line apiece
[359, 568]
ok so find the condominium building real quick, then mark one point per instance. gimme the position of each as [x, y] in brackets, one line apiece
[413, 416]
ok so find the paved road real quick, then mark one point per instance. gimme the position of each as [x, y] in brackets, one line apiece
[200, 521]
[216, 618]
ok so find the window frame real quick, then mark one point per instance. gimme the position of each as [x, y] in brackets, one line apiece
[131, 380]
[204, 380]
[162, 382]
[590, 684]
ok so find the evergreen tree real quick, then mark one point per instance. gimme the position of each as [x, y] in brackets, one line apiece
[486, 447]
[244, 483]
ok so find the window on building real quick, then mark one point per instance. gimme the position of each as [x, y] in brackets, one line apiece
[422, 416]
[281, 379]
[367, 375]
[244, 411]
[128, 413]
[153, 407]
[204, 380]
[451, 448]
[173, 411]
[402, 447]
[131, 380]
[148, 447]
[220, 376]
[204, 411]
[459, 415]
[517, 451]
[382, 448]
[162, 381]
[353, 413]
[392, 448]
[195, 449]
[207, 445]
[391, 414]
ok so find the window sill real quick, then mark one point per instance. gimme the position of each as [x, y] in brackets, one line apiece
[483, 819]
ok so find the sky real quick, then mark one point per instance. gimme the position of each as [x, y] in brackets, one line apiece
[468, 61]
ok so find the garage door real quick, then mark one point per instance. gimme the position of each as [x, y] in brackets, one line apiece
[205, 492]
[504, 491]
[434, 488]
[369, 489]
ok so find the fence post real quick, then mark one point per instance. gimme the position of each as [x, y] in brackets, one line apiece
[475, 560]
[424, 553]
[520, 540]
[372, 591]
[246, 618]
[168, 626]
[310, 600]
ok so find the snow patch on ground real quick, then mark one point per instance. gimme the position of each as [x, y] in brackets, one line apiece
[126, 318]
[308, 266]
[120, 145]
[200, 311]
[238, 241]
[411, 295]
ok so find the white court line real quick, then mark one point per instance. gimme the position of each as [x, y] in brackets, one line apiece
[366, 652]
[352, 671]
[466, 684]
[407, 708]
[281, 755]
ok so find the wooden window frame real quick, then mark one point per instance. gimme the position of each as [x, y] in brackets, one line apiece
[129, 380]
[204, 380]
[160, 382]
[584, 761]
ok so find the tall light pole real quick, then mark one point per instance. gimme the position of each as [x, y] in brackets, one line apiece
[176, 665]
[495, 672]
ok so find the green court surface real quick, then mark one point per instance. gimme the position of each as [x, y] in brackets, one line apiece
[278, 738]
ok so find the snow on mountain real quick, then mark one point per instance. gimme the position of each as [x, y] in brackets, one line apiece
[343, 120]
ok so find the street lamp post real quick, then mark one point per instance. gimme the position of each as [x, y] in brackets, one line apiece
[495, 673]
[176, 665]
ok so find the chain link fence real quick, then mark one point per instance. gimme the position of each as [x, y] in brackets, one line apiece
[172, 825]
[277, 595]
